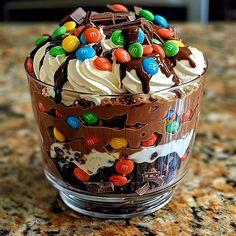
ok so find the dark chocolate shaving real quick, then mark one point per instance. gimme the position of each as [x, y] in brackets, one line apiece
[100, 187]
[143, 189]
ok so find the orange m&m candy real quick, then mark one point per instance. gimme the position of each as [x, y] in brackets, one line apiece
[81, 175]
[124, 166]
[165, 33]
[150, 141]
[92, 35]
[119, 7]
[147, 49]
[158, 49]
[118, 180]
[102, 63]
[122, 55]
[78, 30]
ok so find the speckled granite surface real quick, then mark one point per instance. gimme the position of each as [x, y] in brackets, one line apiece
[204, 204]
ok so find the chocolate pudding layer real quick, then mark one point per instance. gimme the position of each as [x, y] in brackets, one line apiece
[116, 96]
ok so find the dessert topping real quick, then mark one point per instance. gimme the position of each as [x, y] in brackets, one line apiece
[82, 39]
[180, 44]
[58, 32]
[122, 55]
[56, 51]
[159, 50]
[150, 141]
[165, 33]
[90, 118]
[124, 166]
[81, 175]
[70, 43]
[147, 49]
[85, 53]
[173, 127]
[136, 50]
[41, 39]
[117, 38]
[58, 135]
[118, 7]
[141, 36]
[160, 20]
[118, 143]
[29, 65]
[70, 25]
[150, 66]
[186, 116]
[171, 49]
[73, 122]
[102, 63]
[92, 140]
[146, 14]
[92, 35]
[118, 180]
[78, 31]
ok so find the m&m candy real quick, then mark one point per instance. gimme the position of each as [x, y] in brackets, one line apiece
[90, 118]
[82, 39]
[58, 135]
[158, 49]
[118, 180]
[186, 116]
[156, 41]
[146, 14]
[170, 48]
[165, 33]
[124, 166]
[70, 43]
[57, 51]
[147, 49]
[150, 141]
[171, 115]
[41, 107]
[85, 53]
[122, 55]
[81, 175]
[102, 63]
[78, 31]
[118, 143]
[40, 40]
[58, 114]
[150, 66]
[135, 50]
[92, 140]
[117, 38]
[172, 127]
[73, 122]
[59, 32]
[70, 25]
[160, 20]
[29, 66]
[119, 7]
[141, 36]
[47, 34]
[180, 44]
[92, 35]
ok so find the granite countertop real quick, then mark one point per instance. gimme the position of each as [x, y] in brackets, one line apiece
[204, 204]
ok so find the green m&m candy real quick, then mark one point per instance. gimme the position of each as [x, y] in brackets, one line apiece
[136, 50]
[41, 39]
[58, 32]
[90, 118]
[156, 41]
[117, 38]
[170, 48]
[172, 127]
[147, 15]
[56, 51]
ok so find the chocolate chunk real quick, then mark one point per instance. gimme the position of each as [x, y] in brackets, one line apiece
[137, 10]
[106, 18]
[78, 16]
[151, 176]
[143, 189]
[100, 187]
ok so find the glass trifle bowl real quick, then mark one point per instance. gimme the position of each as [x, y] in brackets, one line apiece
[115, 154]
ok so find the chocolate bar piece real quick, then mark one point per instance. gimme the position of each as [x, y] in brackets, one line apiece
[100, 187]
[78, 16]
[143, 189]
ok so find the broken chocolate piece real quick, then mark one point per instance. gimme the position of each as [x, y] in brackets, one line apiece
[78, 16]
[143, 189]
[100, 187]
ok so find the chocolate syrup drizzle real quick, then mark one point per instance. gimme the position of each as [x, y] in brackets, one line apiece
[126, 22]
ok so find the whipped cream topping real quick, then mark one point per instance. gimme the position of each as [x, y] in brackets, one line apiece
[183, 69]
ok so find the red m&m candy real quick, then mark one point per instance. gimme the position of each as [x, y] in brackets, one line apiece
[147, 49]
[41, 107]
[119, 7]
[122, 55]
[165, 33]
[92, 140]
[150, 141]
[118, 180]
[81, 175]
[102, 63]
[187, 115]
[58, 114]
[92, 35]
[184, 157]
[29, 66]
[158, 49]
[124, 166]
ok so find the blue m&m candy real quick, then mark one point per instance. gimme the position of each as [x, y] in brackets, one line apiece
[141, 36]
[85, 53]
[82, 39]
[160, 20]
[171, 115]
[150, 66]
[73, 122]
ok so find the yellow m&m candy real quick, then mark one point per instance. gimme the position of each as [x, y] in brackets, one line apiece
[70, 25]
[58, 135]
[70, 43]
[118, 143]
[180, 44]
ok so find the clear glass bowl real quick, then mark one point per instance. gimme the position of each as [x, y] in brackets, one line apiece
[116, 156]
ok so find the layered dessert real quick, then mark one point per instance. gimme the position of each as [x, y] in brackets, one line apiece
[116, 96]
